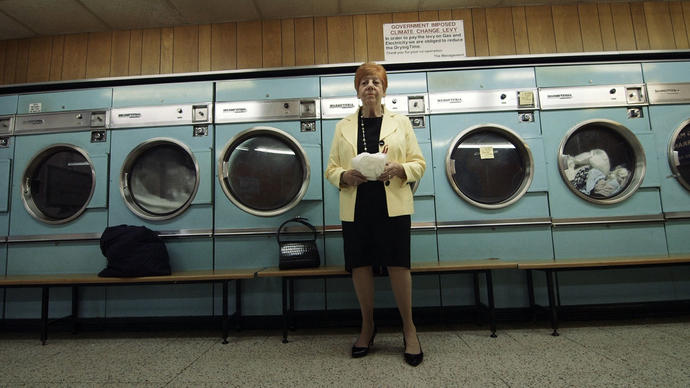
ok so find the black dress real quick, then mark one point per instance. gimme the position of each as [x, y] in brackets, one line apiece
[374, 239]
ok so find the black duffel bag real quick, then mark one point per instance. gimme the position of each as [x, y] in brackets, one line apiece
[298, 253]
[133, 251]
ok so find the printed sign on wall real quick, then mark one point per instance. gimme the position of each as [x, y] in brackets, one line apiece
[424, 41]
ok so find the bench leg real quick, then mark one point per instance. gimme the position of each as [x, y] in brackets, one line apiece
[492, 310]
[530, 295]
[45, 300]
[238, 304]
[477, 301]
[552, 302]
[225, 312]
[291, 312]
[285, 310]
[75, 309]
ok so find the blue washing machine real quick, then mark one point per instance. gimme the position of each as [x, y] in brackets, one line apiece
[161, 177]
[59, 195]
[603, 177]
[8, 108]
[668, 87]
[268, 167]
[407, 94]
[490, 174]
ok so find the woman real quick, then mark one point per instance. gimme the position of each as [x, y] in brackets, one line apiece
[376, 214]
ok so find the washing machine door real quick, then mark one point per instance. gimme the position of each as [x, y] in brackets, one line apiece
[601, 161]
[489, 166]
[264, 171]
[58, 183]
[679, 154]
[159, 179]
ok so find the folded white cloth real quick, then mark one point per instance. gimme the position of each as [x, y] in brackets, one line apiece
[370, 165]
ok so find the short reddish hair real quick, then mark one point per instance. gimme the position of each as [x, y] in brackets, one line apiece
[369, 69]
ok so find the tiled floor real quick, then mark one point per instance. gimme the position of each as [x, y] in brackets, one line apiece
[639, 353]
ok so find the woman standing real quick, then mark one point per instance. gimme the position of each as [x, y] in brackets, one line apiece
[375, 214]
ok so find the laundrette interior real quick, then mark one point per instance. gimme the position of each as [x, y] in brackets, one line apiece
[526, 159]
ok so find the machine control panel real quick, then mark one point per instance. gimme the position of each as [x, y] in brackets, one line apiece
[667, 93]
[592, 96]
[6, 125]
[244, 111]
[483, 101]
[200, 113]
[98, 136]
[339, 107]
[60, 121]
[157, 116]
[417, 121]
[407, 104]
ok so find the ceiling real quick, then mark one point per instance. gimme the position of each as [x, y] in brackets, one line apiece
[30, 18]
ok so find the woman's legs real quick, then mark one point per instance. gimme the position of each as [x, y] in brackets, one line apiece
[401, 283]
[363, 280]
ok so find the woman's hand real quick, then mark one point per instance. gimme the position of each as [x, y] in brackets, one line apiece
[352, 178]
[391, 170]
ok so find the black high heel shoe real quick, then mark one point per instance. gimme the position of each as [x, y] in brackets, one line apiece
[413, 359]
[358, 352]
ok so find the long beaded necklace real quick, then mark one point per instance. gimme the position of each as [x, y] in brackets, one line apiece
[364, 134]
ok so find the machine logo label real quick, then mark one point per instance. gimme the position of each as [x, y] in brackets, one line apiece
[452, 100]
[235, 110]
[129, 115]
[342, 106]
[667, 91]
[561, 96]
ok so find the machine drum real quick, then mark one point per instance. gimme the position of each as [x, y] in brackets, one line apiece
[602, 162]
[265, 173]
[489, 166]
[58, 184]
[163, 179]
[680, 155]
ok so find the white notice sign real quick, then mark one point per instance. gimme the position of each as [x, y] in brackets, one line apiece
[424, 41]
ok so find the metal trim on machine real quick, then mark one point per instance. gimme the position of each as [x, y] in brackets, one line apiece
[413, 105]
[182, 233]
[676, 215]
[54, 237]
[161, 115]
[419, 226]
[515, 139]
[223, 173]
[34, 163]
[640, 161]
[599, 96]
[668, 93]
[495, 223]
[61, 122]
[7, 125]
[270, 110]
[133, 155]
[608, 220]
[500, 100]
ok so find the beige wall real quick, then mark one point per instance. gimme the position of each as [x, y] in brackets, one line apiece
[584, 27]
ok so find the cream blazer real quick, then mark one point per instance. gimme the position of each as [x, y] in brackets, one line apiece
[397, 133]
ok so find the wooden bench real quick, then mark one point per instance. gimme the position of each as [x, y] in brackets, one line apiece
[475, 267]
[45, 282]
[551, 267]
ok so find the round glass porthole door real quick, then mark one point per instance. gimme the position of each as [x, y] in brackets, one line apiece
[264, 171]
[58, 183]
[679, 154]
[159, 179]
[602, 161]
[489, 166]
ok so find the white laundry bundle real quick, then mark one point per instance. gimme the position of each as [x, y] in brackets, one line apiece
[370, 165]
